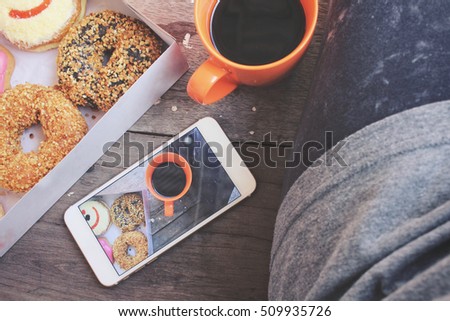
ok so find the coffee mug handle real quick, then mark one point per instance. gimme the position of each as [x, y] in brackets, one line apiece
[168, 208]
[210, 83]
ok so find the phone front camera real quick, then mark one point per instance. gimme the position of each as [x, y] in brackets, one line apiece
[188, 140]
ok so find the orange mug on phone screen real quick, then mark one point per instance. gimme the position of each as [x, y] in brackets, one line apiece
[168, 178]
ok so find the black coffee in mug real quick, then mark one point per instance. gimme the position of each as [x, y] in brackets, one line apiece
[257, 32]
[169, 179]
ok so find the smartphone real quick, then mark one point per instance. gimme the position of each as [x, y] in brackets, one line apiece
[181, 186]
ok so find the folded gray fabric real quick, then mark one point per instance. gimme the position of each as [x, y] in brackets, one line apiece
[376, 229]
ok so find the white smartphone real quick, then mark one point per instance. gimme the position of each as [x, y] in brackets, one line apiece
[178, 188]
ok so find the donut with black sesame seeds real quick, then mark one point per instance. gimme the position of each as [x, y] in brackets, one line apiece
[103, 56]
[127, 212]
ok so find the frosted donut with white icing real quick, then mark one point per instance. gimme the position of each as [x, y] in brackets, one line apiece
[96, 213]
[38, 25]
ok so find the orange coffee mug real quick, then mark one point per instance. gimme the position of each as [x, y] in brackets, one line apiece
[168, 178]
[218, 76]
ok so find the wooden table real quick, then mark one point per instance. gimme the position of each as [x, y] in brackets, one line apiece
[226, 260]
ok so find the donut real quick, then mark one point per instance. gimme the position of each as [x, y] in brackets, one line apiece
[96, 213]
[127, 212]
[62, 124]
[101, 57]
[6, 68]
[121, 246]
[107, 248]
[38, 25]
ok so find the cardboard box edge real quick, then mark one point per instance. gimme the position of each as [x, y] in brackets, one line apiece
[12, 234]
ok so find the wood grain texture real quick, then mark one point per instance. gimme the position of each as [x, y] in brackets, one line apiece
[226, 260]
[278, 107]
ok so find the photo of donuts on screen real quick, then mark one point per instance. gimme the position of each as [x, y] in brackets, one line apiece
[158, 201]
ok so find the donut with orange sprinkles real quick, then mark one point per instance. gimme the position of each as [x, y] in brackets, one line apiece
[62, 124]
[124, 242]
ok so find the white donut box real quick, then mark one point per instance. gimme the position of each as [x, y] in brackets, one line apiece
[23, 211]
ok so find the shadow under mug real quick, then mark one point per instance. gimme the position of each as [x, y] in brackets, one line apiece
[218, 76]
[158, 161]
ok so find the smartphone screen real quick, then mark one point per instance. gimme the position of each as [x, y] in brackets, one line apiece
[161, 199]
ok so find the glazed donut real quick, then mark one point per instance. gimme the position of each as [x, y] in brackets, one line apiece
[62, 123]
[96, 213]
[6, 68]
[38, 25]
[123, 242]
[127, 212]
[100, 58]
[107, 248]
